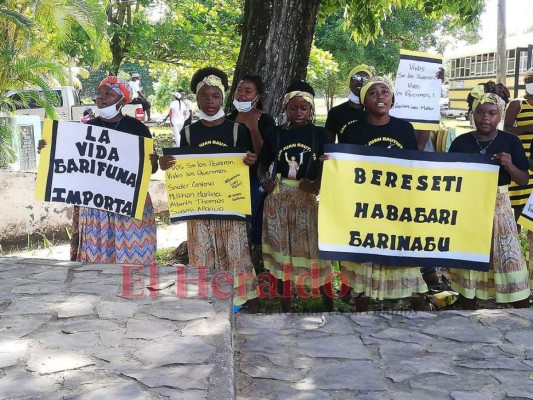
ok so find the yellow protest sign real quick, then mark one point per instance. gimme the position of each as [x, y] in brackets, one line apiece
[95, 167]
[406, 208]
[206, 184]
[526, 218]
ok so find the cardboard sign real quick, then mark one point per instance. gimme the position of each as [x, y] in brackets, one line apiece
[417, 90]
[406, 208]
[94, 167]
[205, 184]
[526, 218]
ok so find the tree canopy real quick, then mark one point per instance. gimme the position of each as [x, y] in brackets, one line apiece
[272, 27]
[31, 38]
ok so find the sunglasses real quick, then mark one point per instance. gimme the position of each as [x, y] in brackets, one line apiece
[360, 78]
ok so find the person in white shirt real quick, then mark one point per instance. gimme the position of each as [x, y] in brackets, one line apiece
[188, 107]
[177, 115]
[137, 95]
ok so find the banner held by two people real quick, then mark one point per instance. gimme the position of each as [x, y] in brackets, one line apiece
[406, 208]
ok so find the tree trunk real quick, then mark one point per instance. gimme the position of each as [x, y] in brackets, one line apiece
[501, 53]
[119, 17]
[276, 43]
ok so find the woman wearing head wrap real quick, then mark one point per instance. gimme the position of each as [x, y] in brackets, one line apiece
[370, 280]
[289, 171]
[379, 128]
[519, 120]
[507, 277]
[105, 237]
[345, 114]
[218, 243]
[248, 103]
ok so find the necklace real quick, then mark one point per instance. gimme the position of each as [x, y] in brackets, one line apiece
[483, 150]
[115, 127]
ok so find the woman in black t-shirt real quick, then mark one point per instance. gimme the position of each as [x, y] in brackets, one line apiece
[507, 277]
[248, 112]
[371, 280]
[289, 171]
[218, 243]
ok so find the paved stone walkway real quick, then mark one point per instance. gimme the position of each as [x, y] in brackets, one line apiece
[459, 355]
[69, 331]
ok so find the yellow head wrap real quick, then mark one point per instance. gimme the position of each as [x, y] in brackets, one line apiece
[362, 68]
[305, 95]
[211, 80]
[373, 81]
[480, 97]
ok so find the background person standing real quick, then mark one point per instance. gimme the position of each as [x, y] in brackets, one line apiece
[137, 96]
[177, 113]
[187, 109]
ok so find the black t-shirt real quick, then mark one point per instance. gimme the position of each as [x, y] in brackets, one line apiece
[265, 123]
[340, 117]
[397, 133]
[503, 142]
[127, 124]
[296, 151]
[219, 135]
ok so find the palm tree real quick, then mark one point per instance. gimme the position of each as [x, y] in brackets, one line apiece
[31, 35]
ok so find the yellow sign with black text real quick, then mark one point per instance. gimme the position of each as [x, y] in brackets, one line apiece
[406, 208]
[207, 185]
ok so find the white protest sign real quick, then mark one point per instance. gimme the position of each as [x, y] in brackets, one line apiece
[417, 89]
[95, 167]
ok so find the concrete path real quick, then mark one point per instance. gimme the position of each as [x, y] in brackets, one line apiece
[73, 331]
[482, 355]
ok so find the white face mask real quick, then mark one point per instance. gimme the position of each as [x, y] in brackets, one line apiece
[109, 112]
[211, 118]
[529, 88]
[244, 106]
[353, 98]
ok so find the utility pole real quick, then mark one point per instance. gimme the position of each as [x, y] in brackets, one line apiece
[501, 53]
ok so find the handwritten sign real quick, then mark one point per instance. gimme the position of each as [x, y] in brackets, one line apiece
[406, 208]
[205, 184]
[417, 89]
[94, 167]
[526, 218]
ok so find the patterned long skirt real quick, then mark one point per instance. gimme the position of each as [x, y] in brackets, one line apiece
[290, 237]
[110, 238]
[507, 277]
[383, 282]
[223, 245]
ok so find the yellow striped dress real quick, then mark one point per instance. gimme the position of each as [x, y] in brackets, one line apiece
[520, 194]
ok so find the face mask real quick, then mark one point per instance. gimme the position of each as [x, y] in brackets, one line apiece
[210, 118]
[110, 111]
[529, 88]
[244, 106]
[353, 98]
